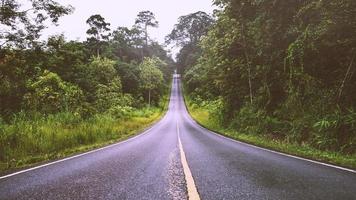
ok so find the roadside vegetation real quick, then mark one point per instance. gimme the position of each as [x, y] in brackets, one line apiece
[60, 97]
[280, 74]
[26, 140]
[204, 114]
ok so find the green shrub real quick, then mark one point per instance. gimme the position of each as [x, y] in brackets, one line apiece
[336, 131]
[50, 94]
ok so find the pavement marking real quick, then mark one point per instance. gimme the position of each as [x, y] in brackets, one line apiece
[83, 154]
[192, 189]
[273, 151]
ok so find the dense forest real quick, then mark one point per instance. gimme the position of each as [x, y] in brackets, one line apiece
[284, 69]
[57, 95]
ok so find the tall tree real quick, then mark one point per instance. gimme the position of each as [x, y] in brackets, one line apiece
[98, 31]
[144, 20]
[150, 75]
[186, 34]
[21, 27]
[190, 28]
[127, 43]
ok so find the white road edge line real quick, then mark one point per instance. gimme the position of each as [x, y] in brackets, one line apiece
[192, 189]
[276, 152]
[82, 154]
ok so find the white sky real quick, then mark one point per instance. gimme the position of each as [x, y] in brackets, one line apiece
[123, 13]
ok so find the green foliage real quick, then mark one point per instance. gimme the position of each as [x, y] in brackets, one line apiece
[98, 27]
[270, 141]
[56, 97]
[187, 33]
[129, 73]
[65, 58]
[151, 78]
[22, 28]
[101, 71]
[190, 29]
[50, 94]
[105, 81]
[144, 20]
[284, 68]
[98, 31]
[327, 131]
[107, 96]
[125, 44]
[28, 140]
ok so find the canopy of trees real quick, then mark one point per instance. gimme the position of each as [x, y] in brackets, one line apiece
[20, 27]
[187, 34]
[94, 76]
[284, 68]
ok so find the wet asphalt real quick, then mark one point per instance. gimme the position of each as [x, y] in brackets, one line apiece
[149, 167]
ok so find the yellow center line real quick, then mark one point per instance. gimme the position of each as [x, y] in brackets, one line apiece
[192, 189]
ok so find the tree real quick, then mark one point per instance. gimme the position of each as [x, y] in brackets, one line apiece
[190, 29]
[186, 34]
[129, 73]
[98, 31]
[127, 44]
[50, 94]
[157, 50]
[101, 84]
[150, 76]
[108, 95]
[65, 58]
[144, 20]
[121, 39]
[20, 27]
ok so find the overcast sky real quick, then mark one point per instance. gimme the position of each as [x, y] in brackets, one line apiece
[123, 13]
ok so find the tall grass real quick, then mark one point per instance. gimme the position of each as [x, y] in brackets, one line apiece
[28, 140]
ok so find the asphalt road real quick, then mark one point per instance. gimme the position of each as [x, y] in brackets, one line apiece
[151, 166]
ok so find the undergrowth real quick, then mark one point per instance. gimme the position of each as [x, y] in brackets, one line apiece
[255, 127]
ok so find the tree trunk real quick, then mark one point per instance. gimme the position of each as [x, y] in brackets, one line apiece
[142, 53]
[248, 62]
[98, 45]
[146, 35]
[250, 83]
[345, 79]
[149, 98]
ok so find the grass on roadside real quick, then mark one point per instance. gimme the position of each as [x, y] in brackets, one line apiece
[203, 117]
[28, 141]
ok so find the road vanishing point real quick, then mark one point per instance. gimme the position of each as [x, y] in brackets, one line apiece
[178, 159]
